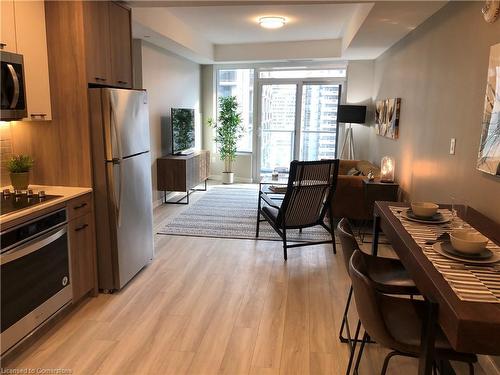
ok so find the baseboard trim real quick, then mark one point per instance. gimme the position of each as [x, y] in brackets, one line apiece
[243, 180]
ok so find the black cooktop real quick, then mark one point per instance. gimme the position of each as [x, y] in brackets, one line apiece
[11, 201]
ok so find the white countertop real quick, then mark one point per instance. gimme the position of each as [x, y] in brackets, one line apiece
[66, 193]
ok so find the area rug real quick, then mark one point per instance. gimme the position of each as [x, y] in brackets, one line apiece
[231, 212]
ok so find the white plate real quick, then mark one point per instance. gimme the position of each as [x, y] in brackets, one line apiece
[443, 221]
[438, 249]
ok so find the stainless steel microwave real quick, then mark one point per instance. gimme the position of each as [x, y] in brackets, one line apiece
[13, 96]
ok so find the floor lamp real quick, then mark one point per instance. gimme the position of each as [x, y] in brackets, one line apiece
[347, 151]
[350, 114]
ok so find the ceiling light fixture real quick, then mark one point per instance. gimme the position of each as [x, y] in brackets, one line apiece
[273, 22]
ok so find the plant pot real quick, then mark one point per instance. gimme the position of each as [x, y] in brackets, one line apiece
[227, 177]
[20, 181]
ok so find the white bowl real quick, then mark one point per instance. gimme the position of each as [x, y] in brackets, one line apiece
[467, 241]
[424, 209]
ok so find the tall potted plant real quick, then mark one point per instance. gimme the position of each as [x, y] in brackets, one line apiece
[19, 167]
[228, 129]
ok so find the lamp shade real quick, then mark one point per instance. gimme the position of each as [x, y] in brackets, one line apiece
[353, 114]
[387, 166]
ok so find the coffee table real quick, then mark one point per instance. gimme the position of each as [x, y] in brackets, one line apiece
[266, 182]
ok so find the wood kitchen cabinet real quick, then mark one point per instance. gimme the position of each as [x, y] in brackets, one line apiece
[120, 45]
[81, 234]
[23, 32]
[96, 24]
[108, 40]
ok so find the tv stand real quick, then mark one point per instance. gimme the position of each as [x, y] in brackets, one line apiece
[182, 173]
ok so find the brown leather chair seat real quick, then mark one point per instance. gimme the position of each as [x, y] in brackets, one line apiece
[388, 275]
[394, 322]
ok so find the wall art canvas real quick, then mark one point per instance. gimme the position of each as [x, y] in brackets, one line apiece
[387, 117]
[489, 150]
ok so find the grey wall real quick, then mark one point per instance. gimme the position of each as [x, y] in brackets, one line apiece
[359, 91]
[439, 71]
[171, 81]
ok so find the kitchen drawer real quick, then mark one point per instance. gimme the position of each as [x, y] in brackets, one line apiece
[79, 206]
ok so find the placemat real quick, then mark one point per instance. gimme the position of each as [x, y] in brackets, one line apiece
[475, 283]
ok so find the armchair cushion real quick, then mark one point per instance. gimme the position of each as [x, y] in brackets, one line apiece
[271, 212]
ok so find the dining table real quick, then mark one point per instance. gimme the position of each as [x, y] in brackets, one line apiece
[463, 300]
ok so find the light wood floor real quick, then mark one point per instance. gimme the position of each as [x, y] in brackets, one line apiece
[214, 306]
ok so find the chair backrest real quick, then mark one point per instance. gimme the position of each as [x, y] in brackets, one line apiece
[347, 241]
[367, 301]
[311, 185]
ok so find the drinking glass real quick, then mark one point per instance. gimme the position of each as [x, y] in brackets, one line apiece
[458, 211]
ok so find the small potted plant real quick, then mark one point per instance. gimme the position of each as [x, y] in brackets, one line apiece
[19, 167]
[228, 129]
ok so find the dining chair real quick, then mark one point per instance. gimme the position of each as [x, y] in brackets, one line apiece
[389, 276]
[394, 322]
[311, 185]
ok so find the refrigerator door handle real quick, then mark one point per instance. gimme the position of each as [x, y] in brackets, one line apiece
[117, 161]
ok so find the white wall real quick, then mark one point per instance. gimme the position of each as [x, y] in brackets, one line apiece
[171, 81]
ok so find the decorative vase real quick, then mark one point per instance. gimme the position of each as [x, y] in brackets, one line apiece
[227, 177]
[20, 181]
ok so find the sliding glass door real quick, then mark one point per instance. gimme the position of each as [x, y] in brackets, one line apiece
[277, 124]
[318, 123]
[297, 120]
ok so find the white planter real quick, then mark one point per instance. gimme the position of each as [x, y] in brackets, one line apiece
[227, 177]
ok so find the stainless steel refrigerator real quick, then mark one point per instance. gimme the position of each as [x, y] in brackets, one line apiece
[122, 184]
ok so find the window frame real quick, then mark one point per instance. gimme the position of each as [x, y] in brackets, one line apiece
[220, 67]
[257, 67]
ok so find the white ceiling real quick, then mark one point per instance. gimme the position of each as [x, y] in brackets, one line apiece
[218, 31]
[238, 24]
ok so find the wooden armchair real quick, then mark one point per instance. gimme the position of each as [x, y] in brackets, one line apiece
[311, 185]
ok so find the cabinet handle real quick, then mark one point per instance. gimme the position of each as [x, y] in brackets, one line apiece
[81, 227]
[79, 206]
[38, 115]
[3, 45]
[122, 82]
[100, 79]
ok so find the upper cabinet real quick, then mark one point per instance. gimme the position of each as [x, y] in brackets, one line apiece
[32, 44]
[8, 26]
[96, 26]
[108, 41]
[120, 45]
[23, 32]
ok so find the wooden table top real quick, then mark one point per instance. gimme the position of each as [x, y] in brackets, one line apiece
[472, 327]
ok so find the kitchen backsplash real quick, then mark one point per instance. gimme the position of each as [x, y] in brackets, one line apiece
[5, 152]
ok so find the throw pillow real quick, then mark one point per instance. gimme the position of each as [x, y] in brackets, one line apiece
[353, 172]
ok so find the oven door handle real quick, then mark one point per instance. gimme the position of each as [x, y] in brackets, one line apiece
[33, 245]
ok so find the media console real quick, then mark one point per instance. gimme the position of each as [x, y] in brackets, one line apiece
[182, 173]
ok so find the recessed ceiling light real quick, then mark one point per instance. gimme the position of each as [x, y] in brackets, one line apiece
[273, 22]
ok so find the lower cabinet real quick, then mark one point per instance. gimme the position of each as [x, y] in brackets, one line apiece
[82, 252]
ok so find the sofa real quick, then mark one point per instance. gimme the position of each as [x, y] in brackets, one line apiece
[349, 198]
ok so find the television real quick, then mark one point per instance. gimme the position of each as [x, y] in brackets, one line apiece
[183, 133]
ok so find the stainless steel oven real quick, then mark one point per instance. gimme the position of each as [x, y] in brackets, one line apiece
[35, 275]
[13, 96]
